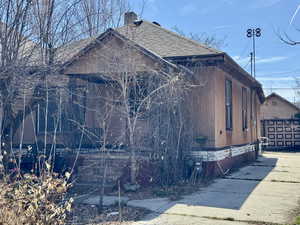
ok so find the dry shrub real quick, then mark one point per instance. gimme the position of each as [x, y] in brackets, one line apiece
[31, 199]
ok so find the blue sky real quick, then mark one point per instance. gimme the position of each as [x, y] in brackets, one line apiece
[277, 63]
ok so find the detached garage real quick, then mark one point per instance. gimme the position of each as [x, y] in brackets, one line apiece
[279, 123]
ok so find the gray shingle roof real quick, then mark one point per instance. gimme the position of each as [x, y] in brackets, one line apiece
[162, 41]
[68, 51]
[154, 38]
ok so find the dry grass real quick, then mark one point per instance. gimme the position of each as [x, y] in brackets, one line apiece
[88, 214]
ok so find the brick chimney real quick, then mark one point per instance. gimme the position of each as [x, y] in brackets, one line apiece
[129, 17]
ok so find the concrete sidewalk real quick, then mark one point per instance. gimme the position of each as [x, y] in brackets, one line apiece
[265, 191]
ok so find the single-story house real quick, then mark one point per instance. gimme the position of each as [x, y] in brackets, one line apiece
[213, 116]
[277, 107]
[280, 125]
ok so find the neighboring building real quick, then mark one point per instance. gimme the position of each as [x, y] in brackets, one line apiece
[277, 107]
[279, 123]
[223, 106]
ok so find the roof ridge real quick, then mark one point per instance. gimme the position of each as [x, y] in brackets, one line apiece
[99, 38]
[274, 94]
[184, 38]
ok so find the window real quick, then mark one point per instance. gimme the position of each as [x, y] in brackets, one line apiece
[228, 104]
[75, 115]
[244, 108]
[138, 91]
[61, 115]
[51, 108]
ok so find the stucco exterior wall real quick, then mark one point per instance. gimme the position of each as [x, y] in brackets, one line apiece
[112, 56]
[201, 103]
[238, 135]
[28, 135]
[276, 108]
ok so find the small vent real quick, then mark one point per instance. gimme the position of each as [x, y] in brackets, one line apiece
[156, 23]
[138, 22]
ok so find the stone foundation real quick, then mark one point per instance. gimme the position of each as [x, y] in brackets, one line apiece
[90, 167]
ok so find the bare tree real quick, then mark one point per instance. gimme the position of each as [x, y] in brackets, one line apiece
[31, 33]
[285, 38]
[99, 15]
[203, 38]
[147, 97]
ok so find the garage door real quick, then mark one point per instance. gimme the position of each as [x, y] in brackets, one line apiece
[283, 134]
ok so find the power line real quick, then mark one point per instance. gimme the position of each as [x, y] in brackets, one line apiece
[244, 67]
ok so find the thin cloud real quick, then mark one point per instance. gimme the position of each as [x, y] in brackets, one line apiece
[222, 27]
[259, 60]
[241, 60]
[270, 60]
[188, 9]
[265, 3]
[278, 72]
[229, 2]
[151, 6]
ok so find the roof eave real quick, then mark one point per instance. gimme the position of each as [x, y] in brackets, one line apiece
[283, 99]
[223, 59]
[255, 83]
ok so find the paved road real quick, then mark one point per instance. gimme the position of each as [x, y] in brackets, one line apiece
[265, 191]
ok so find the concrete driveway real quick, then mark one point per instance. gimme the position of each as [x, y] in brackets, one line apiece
[265, 191]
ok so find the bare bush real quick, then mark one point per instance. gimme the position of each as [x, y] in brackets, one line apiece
[31, 199]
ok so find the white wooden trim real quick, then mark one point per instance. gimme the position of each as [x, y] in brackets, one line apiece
[211, 156]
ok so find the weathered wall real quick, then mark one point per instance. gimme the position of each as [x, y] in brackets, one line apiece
[112, 56]
[201, 104]
[102, 113]
[91, 167]
[29, 132]
[237, 135]
[276, 108]
[215, 169]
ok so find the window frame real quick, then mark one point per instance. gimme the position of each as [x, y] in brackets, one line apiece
[76, 98]
[228, 105]
[244, 109]
[57, 129]
[138, 90]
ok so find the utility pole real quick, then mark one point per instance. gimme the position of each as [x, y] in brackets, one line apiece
[253, 33]
[251, 62]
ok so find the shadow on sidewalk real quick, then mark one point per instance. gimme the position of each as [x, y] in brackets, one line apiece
[230, 192]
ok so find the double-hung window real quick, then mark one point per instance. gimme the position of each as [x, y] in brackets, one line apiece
[244, 108]
[228, 104]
